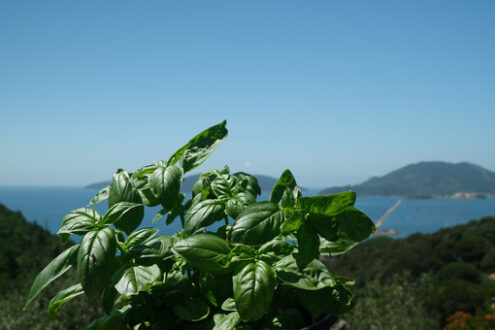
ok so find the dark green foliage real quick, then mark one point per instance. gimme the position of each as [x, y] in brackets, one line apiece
[472, 249]
[459, 271]
[419, 253]
[395, 305]
[457, 295]
[56, 268]
[25, 248]
[456, 260]
[459, 286]
[487, 264]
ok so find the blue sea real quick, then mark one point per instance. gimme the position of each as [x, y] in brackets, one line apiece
[48, 205]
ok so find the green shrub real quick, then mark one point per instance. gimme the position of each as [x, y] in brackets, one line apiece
[398, 304]
[80, 312]
[487, 264]
[24, 249]
[459, 286]
[458, 271]
[472, 248]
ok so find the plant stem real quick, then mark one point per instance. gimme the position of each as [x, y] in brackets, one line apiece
[226, 219]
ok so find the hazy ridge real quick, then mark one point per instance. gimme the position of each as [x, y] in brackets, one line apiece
[428, 179]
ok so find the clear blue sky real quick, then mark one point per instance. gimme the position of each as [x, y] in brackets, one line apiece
[337, 91]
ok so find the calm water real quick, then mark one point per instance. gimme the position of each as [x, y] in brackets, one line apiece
[48, 205]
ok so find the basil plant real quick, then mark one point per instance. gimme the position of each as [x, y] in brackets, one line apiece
[238, 263]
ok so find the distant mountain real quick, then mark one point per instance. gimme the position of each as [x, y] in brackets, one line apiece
[428, 179]
[266, 183]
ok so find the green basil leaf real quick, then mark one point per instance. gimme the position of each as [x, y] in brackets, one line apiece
[245, 198]
[159, 215]
[143, 187]
[314, 276]
[257, 224]
[95, 261]
[144, 171]
[161, 163]
[270, 258]
[115, 320]
[192, 309]
[203, 214]
[225, 170]
[355, 224]
[206, 251]
[252, 185]
[178, 210]
[152, 252]
[100, 196]
[222, 185]
[140, 237]
[195, 152]
[241, 254]
[138, 278]
[323, 212]
[329, 205]
[226, 322]
[285, 193]
[110, 293]
[308, 244]
[125, 216]
[254, 287]
[334, 301]
[195, 200]
[177, 286]
[292, 222]
[272, 322]
[277, 246]
[78, 222]
[229, 305]
[324, 225]
[233, 207]
[165, 244]
[224, 232]
[202, 188]
[237, 203]
[337, 247]
[205, 180]
[52, 271]
[165, 183]
[62, 297]
[215, 288]
[122, 189]
[291, 318]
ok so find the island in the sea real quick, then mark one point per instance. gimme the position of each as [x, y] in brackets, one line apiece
[426, 180]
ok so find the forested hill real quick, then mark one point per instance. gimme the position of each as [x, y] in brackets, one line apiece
[25, 249]
[418, 281]
[266, 183]
[428, 179]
